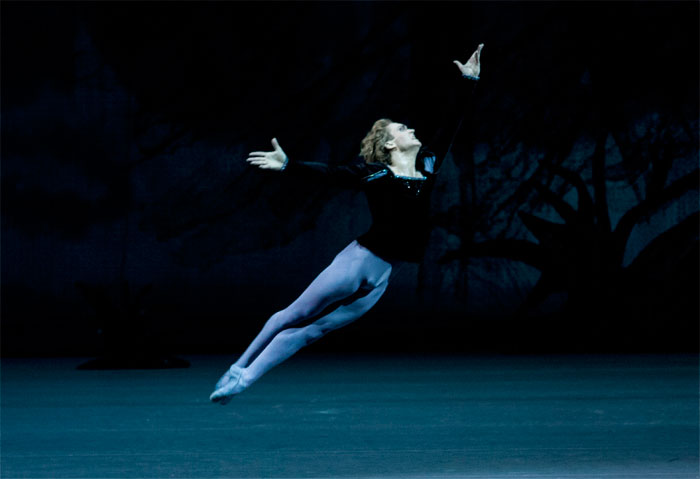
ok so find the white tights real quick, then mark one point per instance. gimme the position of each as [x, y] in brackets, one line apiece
[343, 292]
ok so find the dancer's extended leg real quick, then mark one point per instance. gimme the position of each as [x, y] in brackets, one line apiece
[355, 268]
[290, 340]
[342, 278]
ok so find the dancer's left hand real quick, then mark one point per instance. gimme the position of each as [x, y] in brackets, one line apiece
[473, 66]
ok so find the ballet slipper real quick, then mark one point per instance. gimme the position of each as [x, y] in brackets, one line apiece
[224, 394]
[233, 373]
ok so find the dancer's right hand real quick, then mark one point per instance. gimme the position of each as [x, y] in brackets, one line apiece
[268, 160]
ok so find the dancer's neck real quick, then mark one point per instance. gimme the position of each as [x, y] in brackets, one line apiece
[404, 164]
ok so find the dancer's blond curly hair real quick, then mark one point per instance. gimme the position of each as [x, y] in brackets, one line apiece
[372, 148]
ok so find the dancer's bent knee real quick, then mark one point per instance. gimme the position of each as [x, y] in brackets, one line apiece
[304, 310]
[300, 337]
[286, 318]
[313, 333]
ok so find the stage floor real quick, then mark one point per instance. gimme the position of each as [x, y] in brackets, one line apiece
[357, 416]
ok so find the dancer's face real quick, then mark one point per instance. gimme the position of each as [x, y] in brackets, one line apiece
[404, 137]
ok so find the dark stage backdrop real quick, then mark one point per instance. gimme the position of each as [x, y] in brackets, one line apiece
[565, 217]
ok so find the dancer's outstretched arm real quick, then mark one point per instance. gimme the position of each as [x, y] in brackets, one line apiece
[440, 143]
[349, 175]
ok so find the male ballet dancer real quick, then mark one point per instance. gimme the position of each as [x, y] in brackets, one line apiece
[397, 175]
